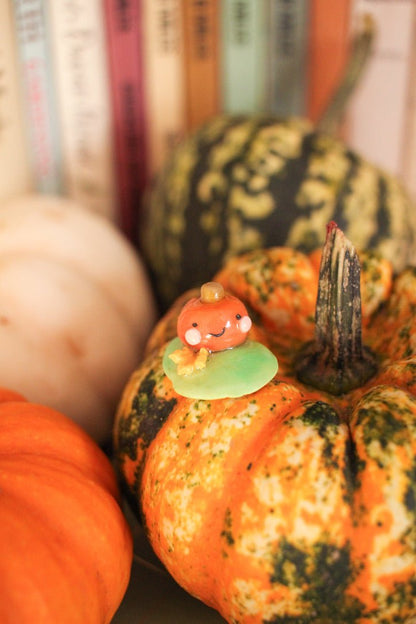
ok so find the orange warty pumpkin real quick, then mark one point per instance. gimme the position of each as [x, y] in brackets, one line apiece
[66, 549]
[296, 503]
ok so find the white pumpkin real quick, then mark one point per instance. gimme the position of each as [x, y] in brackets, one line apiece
[76, 307]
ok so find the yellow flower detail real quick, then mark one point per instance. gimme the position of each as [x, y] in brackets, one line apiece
[187, 361]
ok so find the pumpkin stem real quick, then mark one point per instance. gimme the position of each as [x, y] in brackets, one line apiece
[336, 360]
[361, 49]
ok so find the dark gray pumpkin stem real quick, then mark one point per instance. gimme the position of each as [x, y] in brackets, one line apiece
[336, 361]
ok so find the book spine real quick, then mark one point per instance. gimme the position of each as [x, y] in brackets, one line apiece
[16, 175]
[201, 54]
[328, 47]
[376, 120]
[408, 162]
[31, 27]
[287, 45]
[163, 79]
[81, 73]
[244, 52]
[124, 35]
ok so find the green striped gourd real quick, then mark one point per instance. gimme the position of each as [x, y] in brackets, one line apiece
[244, 182]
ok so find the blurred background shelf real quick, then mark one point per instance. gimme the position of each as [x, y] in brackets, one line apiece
[93, 100]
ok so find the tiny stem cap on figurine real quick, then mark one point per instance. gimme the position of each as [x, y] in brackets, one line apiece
[212, 292]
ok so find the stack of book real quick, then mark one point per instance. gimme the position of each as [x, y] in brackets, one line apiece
[94, 95]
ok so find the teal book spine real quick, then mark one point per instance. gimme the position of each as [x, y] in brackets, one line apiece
[38, 94]
[287, 56]
[243, 55]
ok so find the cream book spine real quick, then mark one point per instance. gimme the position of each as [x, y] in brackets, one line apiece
[78, 39]
[164, 79]
[15, 172]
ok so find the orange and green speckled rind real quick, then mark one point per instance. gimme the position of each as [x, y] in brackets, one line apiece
[197, 461]
[383, 426]
[287, 505]
[146, 404]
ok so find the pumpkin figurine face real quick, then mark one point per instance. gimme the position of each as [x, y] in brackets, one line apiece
[214, 321]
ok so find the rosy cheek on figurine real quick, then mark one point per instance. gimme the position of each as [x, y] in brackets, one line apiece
[212, 358]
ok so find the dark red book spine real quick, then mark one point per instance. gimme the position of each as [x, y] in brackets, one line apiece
[125, 54]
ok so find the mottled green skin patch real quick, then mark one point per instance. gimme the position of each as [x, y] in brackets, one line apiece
[324, 572]
[353, 465]
[322, 416]
[143, 423]
[326, 421]
[410, 497]
[404, 600]
[410, 500]
[384, 426]
[227, 531]
[139, 428]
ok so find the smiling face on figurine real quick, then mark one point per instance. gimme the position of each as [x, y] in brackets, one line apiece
[215, 321]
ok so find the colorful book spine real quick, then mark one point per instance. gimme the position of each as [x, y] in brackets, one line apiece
[124, 34]
[30, 22]
[328, 48]
[164, 79]
[377, 115]
[243, 52]
[201, 53]
[287, 66]
[81, 72]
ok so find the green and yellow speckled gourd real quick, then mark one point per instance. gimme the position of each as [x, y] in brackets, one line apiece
[297, 502]
[243, 182]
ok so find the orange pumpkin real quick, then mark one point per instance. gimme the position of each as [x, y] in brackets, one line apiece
[296, 503]
[66, 549]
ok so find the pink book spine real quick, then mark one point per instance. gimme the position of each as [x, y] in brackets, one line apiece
[124, 34]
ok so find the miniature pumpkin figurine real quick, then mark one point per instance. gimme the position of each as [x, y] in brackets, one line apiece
[212, 337]
[215, 320]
